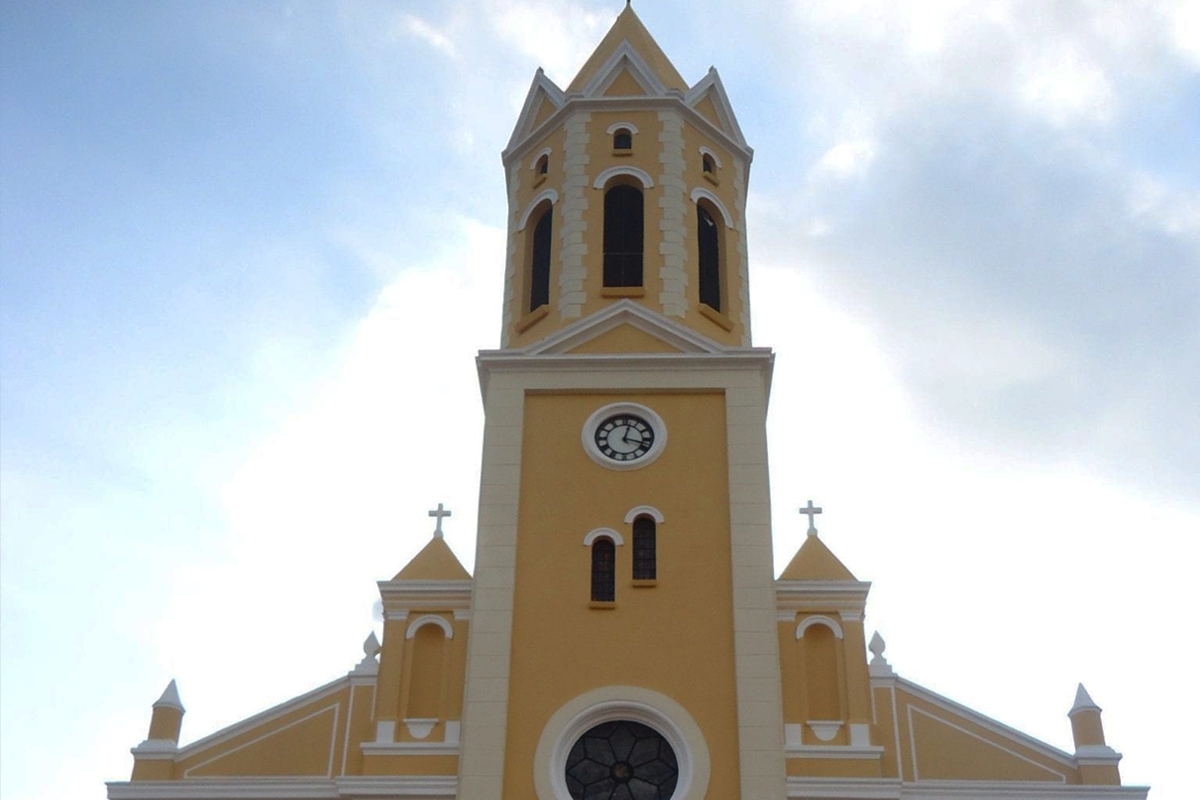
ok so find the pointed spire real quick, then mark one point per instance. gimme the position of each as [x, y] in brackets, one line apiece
[169, 698]
[1083, 701]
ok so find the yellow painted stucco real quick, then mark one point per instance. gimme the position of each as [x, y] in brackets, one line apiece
[474, 670]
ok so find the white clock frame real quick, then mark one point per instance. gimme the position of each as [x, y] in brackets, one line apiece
[588, 435]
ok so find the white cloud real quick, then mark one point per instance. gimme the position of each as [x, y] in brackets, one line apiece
[848, 159]
[415, 26]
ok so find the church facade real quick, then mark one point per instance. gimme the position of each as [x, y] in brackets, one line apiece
[623, 635]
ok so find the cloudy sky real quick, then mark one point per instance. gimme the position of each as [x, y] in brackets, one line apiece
[248, 252]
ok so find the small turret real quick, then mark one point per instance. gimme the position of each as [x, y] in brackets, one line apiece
[1097, 761]
[152, 759]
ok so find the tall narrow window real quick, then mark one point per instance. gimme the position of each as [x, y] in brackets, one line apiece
[622, 139]
[543, 165]
[623, 236]
[708, 246]
[707, 164]
[644, 549]
[604, 570]
[539, 266]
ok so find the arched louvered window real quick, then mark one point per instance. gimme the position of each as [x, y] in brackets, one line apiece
[623, 234]
[543, 165]
[708, 246]
[604, 570]
[707, 164]
[622, 139]
[539, 265]
[644, 549]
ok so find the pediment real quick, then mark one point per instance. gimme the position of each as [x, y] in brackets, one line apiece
[708, 99]
[625, 64]
[543, 99]
[622, 325]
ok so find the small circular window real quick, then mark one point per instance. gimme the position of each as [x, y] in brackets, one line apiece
[622, 760]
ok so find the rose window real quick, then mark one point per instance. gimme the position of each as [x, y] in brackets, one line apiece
[622, 760]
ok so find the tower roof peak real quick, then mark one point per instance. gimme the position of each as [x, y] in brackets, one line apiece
[814, 561]
[628, 27]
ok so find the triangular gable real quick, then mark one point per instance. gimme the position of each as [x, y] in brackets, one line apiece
[710, 87]
[625, 85]
[814, 561]
[627, 34]
[542, 91]
[627, 62]
[977, 724]
[436, 561]
[625, 339]
[624, 312]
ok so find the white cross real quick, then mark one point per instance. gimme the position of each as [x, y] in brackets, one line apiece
[440, 513]
[810, 511]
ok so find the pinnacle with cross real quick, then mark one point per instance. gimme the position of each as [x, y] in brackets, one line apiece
[811, 512]
[440, 513]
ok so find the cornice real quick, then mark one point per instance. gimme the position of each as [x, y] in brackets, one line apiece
[446, 594]
[409, 787]
[672, 101]
[893, 789]
[821, 595]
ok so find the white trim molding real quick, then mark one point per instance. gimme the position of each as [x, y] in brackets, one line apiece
[612, 172]
[701, 193]
[649, 511]
[408, 787]
[610, 703]
[616, 126]
[542, 196]
[708, 151]
[819, 619]
[588, 435]
[547, 151]
[602, 533]
[429, 619]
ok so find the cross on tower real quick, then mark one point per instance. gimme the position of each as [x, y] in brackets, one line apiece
[441, 513]
[809, 511]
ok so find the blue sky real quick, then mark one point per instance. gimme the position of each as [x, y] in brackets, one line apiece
[247, 252]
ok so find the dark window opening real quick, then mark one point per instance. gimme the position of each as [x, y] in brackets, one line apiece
[710, 259]
[543, 165]
[644, 556]
[622, 140]
[623, 236]
[604, 570]
[707, 164]
[539, 268]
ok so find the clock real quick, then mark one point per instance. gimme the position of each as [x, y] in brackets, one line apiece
[624, 436]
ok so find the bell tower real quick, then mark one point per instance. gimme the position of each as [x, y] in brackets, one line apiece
[623, 632]
[628, 184]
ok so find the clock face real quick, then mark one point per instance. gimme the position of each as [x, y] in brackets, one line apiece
[624, 437]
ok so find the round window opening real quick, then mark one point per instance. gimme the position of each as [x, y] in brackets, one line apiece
[622, 760]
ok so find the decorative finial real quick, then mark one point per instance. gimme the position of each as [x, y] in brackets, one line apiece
[440, 513]
[368, 665]
[811, 512]
[879, 666]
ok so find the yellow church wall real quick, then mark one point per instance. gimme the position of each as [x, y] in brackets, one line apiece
[885, 731]
[407, 764]
[304, 741]
[625, 339]
[937, 743]
[624, 85]
[709, 111]
[834, 767]
[545, 109]
[360, 728]
[561, 647]
[391, 669]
